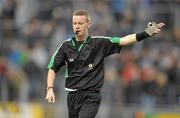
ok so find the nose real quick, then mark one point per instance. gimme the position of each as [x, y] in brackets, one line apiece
[77, 26]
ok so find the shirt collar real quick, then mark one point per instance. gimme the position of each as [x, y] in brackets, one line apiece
[87, 40]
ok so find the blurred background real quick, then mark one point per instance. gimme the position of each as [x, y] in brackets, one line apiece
[140, 82]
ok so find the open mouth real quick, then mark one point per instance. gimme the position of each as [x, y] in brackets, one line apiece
[77, 32]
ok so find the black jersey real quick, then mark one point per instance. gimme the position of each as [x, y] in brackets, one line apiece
[85, 63]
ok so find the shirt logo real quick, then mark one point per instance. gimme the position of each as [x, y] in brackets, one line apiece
[90, 66]
[70, 59]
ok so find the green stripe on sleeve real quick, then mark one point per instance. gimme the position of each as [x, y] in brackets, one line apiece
[51, 63]
[115, 39]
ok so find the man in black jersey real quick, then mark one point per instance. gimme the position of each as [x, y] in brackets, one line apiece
[83, 55]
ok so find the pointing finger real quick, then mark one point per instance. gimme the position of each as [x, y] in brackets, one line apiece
[160, 25]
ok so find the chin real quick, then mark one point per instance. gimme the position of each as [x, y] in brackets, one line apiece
[79, 35]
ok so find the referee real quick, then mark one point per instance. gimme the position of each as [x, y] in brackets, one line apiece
[83, 55]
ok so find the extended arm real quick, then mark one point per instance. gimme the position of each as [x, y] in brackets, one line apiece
[151, 30]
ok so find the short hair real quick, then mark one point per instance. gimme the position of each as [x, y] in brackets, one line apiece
[83, 13]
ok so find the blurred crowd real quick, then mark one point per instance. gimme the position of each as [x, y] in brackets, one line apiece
[145, 73]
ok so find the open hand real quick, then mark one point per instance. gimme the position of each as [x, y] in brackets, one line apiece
[153, 28]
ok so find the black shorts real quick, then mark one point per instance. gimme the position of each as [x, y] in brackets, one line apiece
[83, 104]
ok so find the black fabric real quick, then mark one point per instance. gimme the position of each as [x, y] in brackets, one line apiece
[59, 60]
[141, 36]
[85, 68]
[78, 43]
[83, 104]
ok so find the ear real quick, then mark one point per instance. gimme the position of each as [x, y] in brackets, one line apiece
[89, 24]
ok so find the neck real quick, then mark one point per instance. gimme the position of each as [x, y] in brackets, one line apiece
[81, 38]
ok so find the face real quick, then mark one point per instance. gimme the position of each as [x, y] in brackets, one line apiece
[80, 25]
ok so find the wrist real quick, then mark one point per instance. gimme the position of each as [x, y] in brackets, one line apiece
[142, 36]
[49, 88]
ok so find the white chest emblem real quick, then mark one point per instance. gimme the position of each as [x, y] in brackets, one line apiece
[90, 66]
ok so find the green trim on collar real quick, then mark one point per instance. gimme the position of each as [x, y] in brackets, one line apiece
[73, 43]
[88, 39]
[80, 47]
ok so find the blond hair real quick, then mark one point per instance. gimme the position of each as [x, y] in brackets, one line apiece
[82, 13]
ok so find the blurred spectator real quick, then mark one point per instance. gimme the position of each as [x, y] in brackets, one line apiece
[161, 89]
[176, 28]
[8, 16]
[38, 55]
[130, 74]
[14, 86]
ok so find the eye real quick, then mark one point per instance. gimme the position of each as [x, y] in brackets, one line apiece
[81, 23]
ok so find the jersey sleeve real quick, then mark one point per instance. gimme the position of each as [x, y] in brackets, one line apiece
[111, 45]
[57, 60]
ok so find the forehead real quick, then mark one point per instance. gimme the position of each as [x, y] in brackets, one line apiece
[79, 18]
